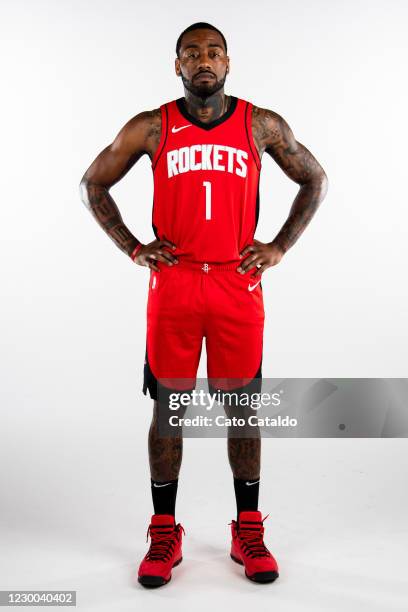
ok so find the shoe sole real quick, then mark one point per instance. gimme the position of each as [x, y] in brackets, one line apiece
[261, 577]
[153, 582]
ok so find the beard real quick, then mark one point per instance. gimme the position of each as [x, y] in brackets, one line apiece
[204, 90]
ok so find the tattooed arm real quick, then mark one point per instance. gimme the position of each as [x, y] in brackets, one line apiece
[140, 135]
[273, 135]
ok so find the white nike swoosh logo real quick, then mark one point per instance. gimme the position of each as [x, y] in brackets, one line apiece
[175, 130]
[163, 485]
[248, 484]
[252, 287]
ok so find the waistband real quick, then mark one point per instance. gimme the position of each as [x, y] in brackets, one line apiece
[202, 266]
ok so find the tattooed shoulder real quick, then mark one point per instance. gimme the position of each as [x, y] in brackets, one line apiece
[268, 128]
[153, 123]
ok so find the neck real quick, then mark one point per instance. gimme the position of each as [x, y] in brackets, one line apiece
[206, 109]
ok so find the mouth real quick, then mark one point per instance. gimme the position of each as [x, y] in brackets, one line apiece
[204, 76]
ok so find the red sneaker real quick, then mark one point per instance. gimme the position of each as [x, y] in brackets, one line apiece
[248, 548]
[164, 552]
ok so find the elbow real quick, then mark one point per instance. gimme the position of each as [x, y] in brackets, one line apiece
[324, 184]
[83, 191]
[321, 183]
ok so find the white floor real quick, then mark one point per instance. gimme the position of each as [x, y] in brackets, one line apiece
[337, 526]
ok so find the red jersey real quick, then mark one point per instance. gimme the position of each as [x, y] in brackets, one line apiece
[206, 183]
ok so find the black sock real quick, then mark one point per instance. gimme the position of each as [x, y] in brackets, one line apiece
[164, 496]
[246, 494]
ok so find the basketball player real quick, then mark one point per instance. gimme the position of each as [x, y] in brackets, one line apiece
[205, 267]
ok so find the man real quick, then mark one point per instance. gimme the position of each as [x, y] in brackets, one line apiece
[205, 268]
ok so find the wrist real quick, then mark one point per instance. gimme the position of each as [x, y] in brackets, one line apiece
[275, 243]
[135, 251]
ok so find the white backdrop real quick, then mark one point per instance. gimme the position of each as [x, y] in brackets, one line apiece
[74, 470]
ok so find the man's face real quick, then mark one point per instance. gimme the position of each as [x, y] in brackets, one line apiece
[203, 62]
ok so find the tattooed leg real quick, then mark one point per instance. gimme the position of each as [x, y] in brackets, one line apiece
[165, 453]
[244, 452]
[244, 456]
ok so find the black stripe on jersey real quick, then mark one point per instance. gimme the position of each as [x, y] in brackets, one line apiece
[181, 105]
[257, 204]
[163, 139]
[254, 153]
[155, 230]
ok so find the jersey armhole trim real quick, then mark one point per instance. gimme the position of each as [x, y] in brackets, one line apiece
[163, 135]
[248, 127]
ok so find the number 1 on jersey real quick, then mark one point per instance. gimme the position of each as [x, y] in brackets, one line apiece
[207, 186]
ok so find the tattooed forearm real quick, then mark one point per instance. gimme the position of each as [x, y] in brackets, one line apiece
[101, 204]
[303, 208]
[273, 135]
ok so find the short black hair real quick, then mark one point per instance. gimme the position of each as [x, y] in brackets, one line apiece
[200, 25]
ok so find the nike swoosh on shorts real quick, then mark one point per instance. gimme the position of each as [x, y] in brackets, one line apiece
[252, 287]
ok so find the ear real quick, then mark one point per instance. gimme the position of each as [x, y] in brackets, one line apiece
[177, 66]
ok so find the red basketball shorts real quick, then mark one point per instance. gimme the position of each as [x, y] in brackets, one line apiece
[191, 301]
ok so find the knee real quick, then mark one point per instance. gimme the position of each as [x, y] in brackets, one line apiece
[162, 422]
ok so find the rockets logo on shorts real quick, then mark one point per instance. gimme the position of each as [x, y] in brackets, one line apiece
[206, 182]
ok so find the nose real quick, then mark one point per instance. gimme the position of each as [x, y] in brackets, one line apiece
[204, 63]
